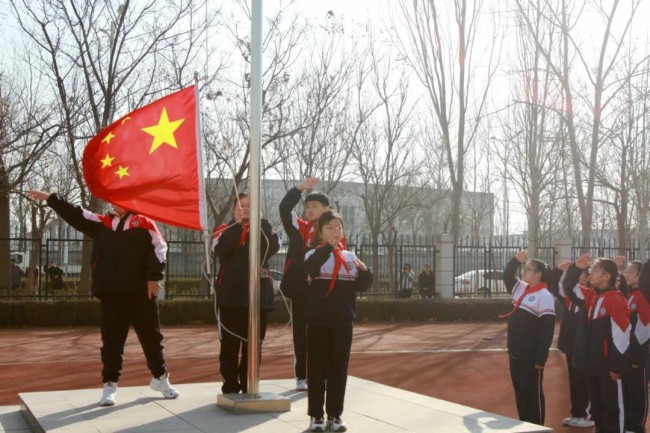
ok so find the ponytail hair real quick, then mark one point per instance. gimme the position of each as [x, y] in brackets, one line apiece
[609, 266]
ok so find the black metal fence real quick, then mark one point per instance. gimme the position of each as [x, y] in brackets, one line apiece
[478, 269]
[477, 265]
[185, 276]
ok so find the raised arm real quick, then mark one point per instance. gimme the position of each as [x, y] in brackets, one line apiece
[290, 200]
[510, 272]
[226, 239]
[79, 218]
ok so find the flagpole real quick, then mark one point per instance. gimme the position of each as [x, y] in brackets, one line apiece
[203, 208]
[254, 199]
[254, 400]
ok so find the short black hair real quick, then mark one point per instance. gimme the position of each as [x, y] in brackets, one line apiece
[328, 216]
[318, 196]
[239, 197]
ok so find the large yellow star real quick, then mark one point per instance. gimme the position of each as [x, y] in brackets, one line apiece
[108, 138]
[163, 132]
[107, 161]
[122, 171]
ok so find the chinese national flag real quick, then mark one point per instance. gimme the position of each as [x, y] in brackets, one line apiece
[149, 161]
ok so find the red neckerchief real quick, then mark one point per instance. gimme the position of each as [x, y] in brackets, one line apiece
[244, 235]
[339, 261]
[530, 289]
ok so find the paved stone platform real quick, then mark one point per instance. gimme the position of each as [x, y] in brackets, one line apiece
[369, 407]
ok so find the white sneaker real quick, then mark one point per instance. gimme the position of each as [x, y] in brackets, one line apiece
[568, 420]
[108, 394]
[301, 385]
[317, 425]
[581, 422]
[162, 384]
[336, 424]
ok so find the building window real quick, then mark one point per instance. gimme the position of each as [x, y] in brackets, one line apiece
[347, 212]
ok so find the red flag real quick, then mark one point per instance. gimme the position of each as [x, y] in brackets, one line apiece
[149, 161]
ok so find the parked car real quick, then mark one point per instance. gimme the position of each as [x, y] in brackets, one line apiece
[480, 281]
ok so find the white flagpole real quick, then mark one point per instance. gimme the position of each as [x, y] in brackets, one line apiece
[203, 208]
[254, 200]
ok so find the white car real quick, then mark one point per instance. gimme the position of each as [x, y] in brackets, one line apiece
[480, 281]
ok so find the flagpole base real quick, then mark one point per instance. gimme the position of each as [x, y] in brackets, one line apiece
[242, 404]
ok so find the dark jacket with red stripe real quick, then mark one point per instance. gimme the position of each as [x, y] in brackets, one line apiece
[336, 307]
[230, 244]
[127, 252]
[531, 325]
[640, 318]
[573, 315]
[299, 233]
[608, 328]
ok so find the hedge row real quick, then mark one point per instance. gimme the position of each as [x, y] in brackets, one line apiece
[201, 311]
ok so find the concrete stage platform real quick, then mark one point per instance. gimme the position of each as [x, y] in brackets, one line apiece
[369, 407]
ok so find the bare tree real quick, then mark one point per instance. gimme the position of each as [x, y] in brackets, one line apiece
[104, 60]
[531, 129]
[26, 131]
[564, 16]
[385, 159]
[442, 56]
[227, 142]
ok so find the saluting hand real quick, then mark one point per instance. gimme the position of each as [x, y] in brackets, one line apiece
[521, 256]
[583, 261]
[308, 183]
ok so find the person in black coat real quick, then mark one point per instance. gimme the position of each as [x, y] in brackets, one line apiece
[335, 277]
[531, 323]
[127, 260]
[301, 234]
[427, 282]
[230, 243]
[54, 276]
[573, 325]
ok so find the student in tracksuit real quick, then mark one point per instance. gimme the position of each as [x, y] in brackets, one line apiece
[335, 277]
[531, 323]
[573, 327]
[230, 244]
[127, 261]
[606, 344]
[634, 381]
[302, 234]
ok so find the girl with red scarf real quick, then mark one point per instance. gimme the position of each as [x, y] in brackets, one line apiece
[531, 323]
[335, 276]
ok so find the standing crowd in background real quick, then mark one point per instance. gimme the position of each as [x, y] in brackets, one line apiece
[604, 335]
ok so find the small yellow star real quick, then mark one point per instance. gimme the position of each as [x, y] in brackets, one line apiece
[107, 161]
[122, 171]
[108, 138]
[163, 132]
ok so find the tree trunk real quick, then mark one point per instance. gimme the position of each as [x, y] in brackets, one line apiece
[5, 247]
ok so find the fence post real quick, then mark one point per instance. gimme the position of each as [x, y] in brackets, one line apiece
[445, 266]
[562, 250]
